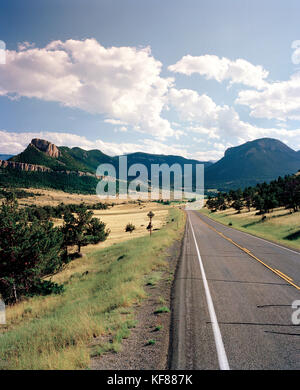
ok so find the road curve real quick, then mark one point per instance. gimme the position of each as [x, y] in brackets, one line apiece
[232, 300]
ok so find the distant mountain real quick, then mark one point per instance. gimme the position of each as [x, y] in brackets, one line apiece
[42, 152]
[253, 162]
[147, 159]
[248, 164]
[5, 156]
[44, 163]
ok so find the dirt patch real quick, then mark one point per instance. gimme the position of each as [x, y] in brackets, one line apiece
[147, 347]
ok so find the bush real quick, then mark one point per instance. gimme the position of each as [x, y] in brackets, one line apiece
[151, 342]
[129, 227]
[163, 309]
[46, 287]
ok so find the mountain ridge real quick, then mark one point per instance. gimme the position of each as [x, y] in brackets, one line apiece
[263, 159]
[255, 161]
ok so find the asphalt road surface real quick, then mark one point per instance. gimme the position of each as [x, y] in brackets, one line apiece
[232, 302]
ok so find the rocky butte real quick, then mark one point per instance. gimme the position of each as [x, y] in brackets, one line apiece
[47, 147]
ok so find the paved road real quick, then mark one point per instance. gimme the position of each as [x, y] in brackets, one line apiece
[232, 309]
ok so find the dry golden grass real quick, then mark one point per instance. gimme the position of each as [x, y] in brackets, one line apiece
[280, 225]
[115, 217]
[54, 198]
[54, 332]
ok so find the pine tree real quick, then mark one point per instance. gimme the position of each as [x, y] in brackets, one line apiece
[82, 229]
[28, 251]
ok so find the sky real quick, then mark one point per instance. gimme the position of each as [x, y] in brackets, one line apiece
[190, 78]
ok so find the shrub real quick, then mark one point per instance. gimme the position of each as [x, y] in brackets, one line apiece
[129, 227]
[163, 309]
[151, 342]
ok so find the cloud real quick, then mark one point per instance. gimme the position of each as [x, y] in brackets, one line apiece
[193, 107]
[122, 83]
[114, 122]
[14, 143]
[212, 67]
[211, 121]
[279, 100]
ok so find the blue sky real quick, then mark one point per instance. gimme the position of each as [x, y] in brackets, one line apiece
[175, 77]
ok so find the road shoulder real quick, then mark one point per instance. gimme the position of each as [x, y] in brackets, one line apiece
[136, 352]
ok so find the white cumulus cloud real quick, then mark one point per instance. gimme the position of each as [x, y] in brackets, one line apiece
[211, 121]
[122, 83]
[279, 100]
[239, 71]
[14, 143]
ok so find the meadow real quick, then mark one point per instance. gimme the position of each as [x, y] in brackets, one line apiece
[116, 217]
[280, 225]
[102, 290]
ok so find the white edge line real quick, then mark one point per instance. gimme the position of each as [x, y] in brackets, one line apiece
[253, 236]
[223, 361]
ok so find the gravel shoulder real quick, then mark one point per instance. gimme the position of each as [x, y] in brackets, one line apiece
[136, 354]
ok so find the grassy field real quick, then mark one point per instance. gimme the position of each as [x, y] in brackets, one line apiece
[279, 226]
[55, 332]
[117, 217]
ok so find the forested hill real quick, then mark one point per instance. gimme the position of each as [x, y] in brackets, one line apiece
[253, 162]
[245, 165]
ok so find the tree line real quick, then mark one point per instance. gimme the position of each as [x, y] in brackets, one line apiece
[32, 249]
[47, 212]
[71, 183]
[264, 197]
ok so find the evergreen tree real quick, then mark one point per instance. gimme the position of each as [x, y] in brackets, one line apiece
[82, 229]
[28, 251]
[238, 205]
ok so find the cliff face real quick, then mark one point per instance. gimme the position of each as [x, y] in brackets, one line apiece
[47, 147]
[40, 168]
[23, 166]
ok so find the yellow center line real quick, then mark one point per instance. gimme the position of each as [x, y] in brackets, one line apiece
[283, 274]
[276, 271]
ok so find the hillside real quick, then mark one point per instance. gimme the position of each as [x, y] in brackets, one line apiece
[72, 161]
[253, 162]
[244, 165]
[41, 152]
[88, 159]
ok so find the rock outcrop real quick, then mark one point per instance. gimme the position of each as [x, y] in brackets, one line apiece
[47, 147]
[50, 150]
[40, 168]
[23, 166]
